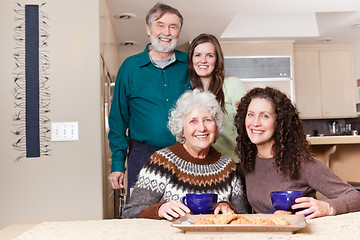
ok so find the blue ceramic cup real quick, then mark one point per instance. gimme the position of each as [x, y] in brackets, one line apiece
[283, 200]
[200, 203]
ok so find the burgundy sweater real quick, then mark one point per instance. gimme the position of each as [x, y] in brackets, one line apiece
[314, 176]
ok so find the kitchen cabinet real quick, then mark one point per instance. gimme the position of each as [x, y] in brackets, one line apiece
[324, 81]
[270, 63]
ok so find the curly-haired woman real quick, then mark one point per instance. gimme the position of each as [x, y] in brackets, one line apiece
[275, 156]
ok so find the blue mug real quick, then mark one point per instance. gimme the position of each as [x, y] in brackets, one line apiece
[200, 203]
[283, 200]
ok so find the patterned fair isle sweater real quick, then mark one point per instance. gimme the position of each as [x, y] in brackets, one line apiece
[172, 172]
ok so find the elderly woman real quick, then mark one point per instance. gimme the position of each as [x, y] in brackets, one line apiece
[190, 166]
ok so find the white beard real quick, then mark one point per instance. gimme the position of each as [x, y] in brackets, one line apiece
[163, 47]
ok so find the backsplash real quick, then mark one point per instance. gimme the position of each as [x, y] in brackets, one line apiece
[321, 126]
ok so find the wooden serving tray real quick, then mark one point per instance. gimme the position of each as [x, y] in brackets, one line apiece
[297, 222]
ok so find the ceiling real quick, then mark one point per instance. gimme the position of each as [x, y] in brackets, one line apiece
[304, 21]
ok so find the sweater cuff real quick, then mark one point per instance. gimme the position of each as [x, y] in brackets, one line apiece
[117, 165]
[228, 203]
[337, 208]
[151, 212]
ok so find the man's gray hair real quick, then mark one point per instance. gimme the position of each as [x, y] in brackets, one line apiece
[162, 9]
[184, 106]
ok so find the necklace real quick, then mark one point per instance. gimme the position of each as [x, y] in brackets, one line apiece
[262, 156]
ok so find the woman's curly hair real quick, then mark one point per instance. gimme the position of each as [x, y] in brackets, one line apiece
[290, 147]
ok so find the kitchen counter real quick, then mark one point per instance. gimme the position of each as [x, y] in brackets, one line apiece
[12, 231]
[333, 140]
[345, 226]
[340, 153]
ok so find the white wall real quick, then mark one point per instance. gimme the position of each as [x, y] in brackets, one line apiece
[357, 68]
[68, 184]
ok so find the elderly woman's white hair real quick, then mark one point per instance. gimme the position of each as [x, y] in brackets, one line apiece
[184, 106]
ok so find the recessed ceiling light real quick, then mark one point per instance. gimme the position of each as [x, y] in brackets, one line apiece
[128, 43]
[356, 25]
[325, 40]
[124, 16]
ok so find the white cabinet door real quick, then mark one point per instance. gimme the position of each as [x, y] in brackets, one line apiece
[324, 82]
[307, 84]
[337, 84]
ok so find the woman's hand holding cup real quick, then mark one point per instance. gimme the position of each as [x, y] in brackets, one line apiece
[312, 208]
[173, 209]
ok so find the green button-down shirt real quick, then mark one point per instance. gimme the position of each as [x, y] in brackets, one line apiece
[143, 96]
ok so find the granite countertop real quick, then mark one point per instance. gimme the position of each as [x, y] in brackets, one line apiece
[328, 140]
[345, 226]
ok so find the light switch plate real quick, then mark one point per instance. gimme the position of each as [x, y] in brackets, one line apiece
[64, 131]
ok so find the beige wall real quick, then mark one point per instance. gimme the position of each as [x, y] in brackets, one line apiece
[68, 184]
[357, 69]
[357, 59]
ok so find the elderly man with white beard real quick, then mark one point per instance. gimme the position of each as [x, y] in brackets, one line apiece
[147, 86]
